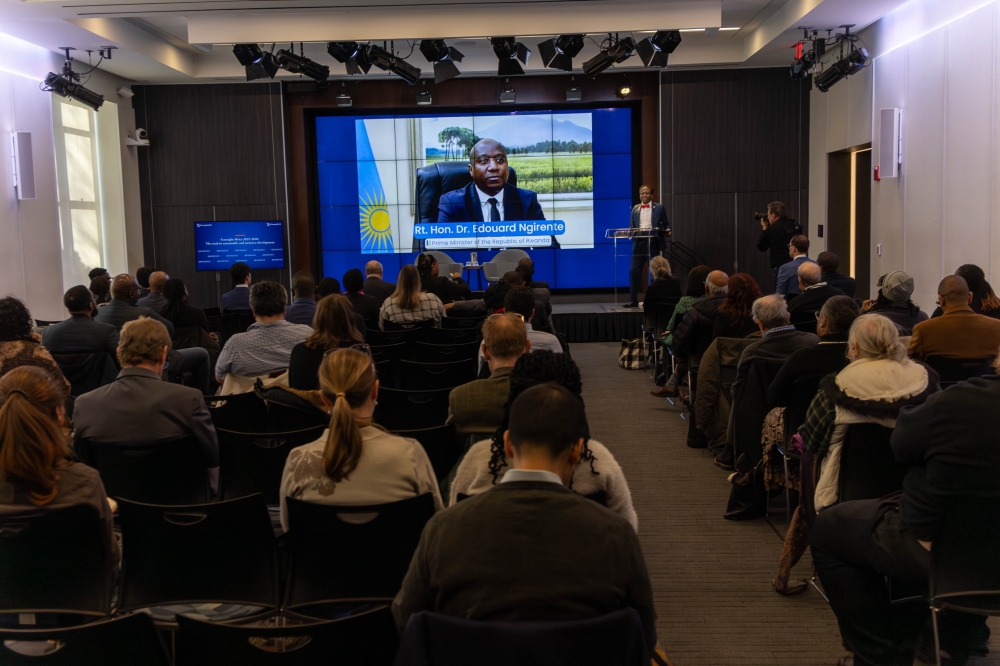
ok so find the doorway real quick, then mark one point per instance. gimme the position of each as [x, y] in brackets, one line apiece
[848, 214]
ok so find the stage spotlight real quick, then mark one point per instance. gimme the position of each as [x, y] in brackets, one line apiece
[258, 64]
[558, 52]
[852, 63]
[800, 68]
[655, 50]
[507, 95]
[613, 51]
[390, 63]
[509, 51]
[296, 64]
[351, 54]
[67, 84]
[443, 57]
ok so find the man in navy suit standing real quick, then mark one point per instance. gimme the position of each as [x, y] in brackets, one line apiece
[649, 215]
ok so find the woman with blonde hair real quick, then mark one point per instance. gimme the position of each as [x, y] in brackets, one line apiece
[408, 305]
[878, 382]
[355, 462]
[36, 472]
[333, 327]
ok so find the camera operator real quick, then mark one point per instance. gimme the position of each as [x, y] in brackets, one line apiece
[776, 231]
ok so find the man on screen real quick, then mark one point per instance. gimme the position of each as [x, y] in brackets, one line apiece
[488, 198]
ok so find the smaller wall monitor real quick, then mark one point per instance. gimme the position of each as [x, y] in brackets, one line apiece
[257, 243]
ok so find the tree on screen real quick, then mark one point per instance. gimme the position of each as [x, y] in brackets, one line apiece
[457, 142]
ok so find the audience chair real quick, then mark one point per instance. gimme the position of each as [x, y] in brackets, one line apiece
[411, 410]
[416, 376]
[409, 326]
[463, 322]
[386, 373]
[265, 410]
[42, 323]
[128, 640]
[431, 353]
[86, 372]
[441, 445]
[379, 338]
[233, 323]
[449, 336]
[253, 462]
[55, 561]
[171, 471]
[656, 317]
[503, 262]
[367, 638]
[222, 553]
[954, 370]
[868, 467]
[350, 553]
[433, 639]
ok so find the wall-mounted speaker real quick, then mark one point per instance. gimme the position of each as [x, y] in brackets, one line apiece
[889, 149]
[24, 165]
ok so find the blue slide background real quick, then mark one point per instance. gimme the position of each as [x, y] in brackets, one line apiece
[269, 252]
[337, 174]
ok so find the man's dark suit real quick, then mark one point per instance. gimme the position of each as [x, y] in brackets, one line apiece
[80, 335]
[644, 249]
[464, 205]
[775, 240]
[527, 551]
[802, 308]
[237, 300]
[378, 289]
[365, 305]
[845, 283]
[119, 312]
[153, 301]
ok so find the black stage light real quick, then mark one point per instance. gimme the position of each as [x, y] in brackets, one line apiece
[852, 63]
[246, 53]
[558, 52]
[616, 51]
[264, 66]
[655, 50]
[390, 63]
[351, 54]
[297, 64]
[443, 57]
[67, 84]
[509, 51]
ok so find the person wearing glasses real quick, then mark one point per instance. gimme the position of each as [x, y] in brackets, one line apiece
[333, 328]
[788, 277]
[959, 332]
[814, 292]
[355, 461]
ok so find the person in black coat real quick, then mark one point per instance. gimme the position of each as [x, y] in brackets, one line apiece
[448, 290]
[650, 216]
[80, 334]
[661, 295]
[364, 305]
[776, 230]
[815, 293]
[830, 262]
[374, 285]
[694, 333]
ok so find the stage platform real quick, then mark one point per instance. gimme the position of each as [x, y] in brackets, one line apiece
[595, 320]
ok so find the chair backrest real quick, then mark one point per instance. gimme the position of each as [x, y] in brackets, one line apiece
[463, 322]
[408, 326]
[964, 557]
[379, 338]
[86, 372]
[126, 640]
[446, 265]
[262, 412]
[658, 314]
[427, 352]
[233, 323]
[254, 462]
[441, 444]
[504, 261]
[223, 552]
[411, 410]
[368, 638]
[56, 560]
[435, 179]
[417, 376]
[171, 471]
[959, 369]
[868, 467]
[333, 556]
[615, 639]
[449, 336]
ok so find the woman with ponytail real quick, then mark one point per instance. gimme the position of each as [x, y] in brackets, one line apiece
[35, 470]
[355, 462]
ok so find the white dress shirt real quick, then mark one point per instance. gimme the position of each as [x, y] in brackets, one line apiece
[486, 206]
[542, 475]
[646, 216]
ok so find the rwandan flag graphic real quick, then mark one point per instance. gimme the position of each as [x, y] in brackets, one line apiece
[376, 225]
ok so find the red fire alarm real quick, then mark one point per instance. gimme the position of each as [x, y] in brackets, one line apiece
[876, 174]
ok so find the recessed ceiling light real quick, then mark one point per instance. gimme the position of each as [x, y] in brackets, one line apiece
[693, 30]
[722, 29]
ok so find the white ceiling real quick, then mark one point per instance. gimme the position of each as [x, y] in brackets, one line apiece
[175, 41]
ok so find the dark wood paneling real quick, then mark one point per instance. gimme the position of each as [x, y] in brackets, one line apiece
[705, 131]
[708, 227]
[768, 147]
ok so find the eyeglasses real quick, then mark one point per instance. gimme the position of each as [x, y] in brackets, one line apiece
[506, 314]
[361, 347]
[817, 315]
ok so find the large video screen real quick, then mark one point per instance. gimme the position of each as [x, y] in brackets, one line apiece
[548, 182]
[258, 243]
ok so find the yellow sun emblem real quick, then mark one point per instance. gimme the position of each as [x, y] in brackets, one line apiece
[376, 226]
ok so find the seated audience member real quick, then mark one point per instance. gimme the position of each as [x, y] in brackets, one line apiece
[491, 302]
[20, 347]
[858, 547]
[100, 287]
[448, 289]
[355, 462]
[36, 472]
[696, 330]
[829, 263]
[154, 298]
[363, 304]
[542, 320]
[142, 277]
[266, 347]
[303, 308]
[139, 407]
[484, 465]
[374, 285]
[477, 407]
[712, 408]
[521, 301]
[788, 277]
[734, 319]
[408, 305]
[99, 272]
[695, 290]
[893, 302]
[80, 334]
[959, 332]
[531, 549]
[665, 289]
[984, 301]
[813, 294]
[333, 328]
[526, 267]
[190, 323]
[238, 300]
[778, 341]
[327, 286]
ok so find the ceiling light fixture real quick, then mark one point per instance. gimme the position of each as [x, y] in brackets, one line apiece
[727, 29]
[507, 95]
[850, 64]
[654, 51]
[613, 51]
[387, 61]
[691, 30]
[343, 97]
[558, 52]
[67, 84]
[351, 54]
[443, 57]
[299, 64]
[508, 51]
[258, 64]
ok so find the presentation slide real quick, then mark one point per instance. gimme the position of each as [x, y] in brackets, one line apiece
[257, 243]
[548, 182]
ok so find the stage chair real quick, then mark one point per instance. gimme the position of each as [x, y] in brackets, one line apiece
[446, 265]
[411, 410]
[126, 640]
[504, 261]
[441, 445]
[432, 353]
[417, 376]
[323, 570]
[253, 462]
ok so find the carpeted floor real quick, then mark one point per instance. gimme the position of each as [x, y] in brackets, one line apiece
[711, 577]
